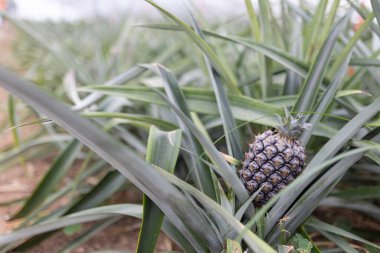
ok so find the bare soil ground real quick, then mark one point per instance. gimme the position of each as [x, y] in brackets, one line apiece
[19, 181]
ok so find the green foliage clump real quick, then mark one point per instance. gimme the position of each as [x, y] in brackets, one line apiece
[168, 109]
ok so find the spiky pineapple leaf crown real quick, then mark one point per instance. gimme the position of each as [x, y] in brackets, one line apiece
[291, 127]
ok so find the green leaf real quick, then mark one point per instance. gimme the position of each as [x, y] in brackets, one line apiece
[310, 87]
[302, 230]
[70, 230]
[162, 150]
[325, 102]
[343, 93]
[12, 115]
[164, 194]
[328, 23]
[294, 81]
[365, 62]
[357, 193]
[222, 167]
[364, 13]
[361, 206]
[255, 27]
[313, 31]
[56, 172]
[239, 214]
[233, 247]
[177, 236]
[33, 144]
[67, 189]
[229, 126]
[108, 185]
[201, 175]
[285, 249]
[349, 46]
[120, 79]
[202, 101]
[319, 225]
[94, 214]
[274, 53]
[301, 244]
[224, 71]
[88, 234]
[376, 8]
[266, 39]
[252, 240]
[344, 245]
[132, 118]
[299, 11]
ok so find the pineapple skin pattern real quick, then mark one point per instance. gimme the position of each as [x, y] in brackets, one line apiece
[274, 160]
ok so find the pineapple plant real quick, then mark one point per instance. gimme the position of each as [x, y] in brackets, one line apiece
[275, 159]
[199, 201]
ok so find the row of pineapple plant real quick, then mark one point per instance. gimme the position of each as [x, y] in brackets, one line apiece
[193, 120]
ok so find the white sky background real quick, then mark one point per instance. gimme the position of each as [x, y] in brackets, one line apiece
[69, 10]
[77, 9]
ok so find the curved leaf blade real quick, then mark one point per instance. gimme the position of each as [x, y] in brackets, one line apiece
[56, 172]
[206, 49]
[229, 126]
[164, 194]
[254, 242]
[317, 224]
[310, 87]
[201, 175]
[94, 214]
[162, 150]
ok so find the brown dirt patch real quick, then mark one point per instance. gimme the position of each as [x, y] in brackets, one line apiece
[7, 60]
[355, 219]
[19, 182]
[7, 37]
[122, 235]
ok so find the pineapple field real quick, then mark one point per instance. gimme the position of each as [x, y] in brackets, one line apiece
[258, 133]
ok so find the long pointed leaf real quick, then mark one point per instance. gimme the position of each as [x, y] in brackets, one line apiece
[325, 102]
[223, 70]
[376, 8]
[223, 168]
[348, 48]
[274, 53]
[167, 197]
[56, 172]
[338, 231]
[250, 238]
[162, 150]
[266, 38]
[229, 126]
[203, 101]
[77, 218]
[314, 78]
[202, 175]
[344, 245]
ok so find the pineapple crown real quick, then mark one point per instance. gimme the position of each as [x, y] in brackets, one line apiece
[291, 127]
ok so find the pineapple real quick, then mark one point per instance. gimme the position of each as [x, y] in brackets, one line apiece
[274, 160]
